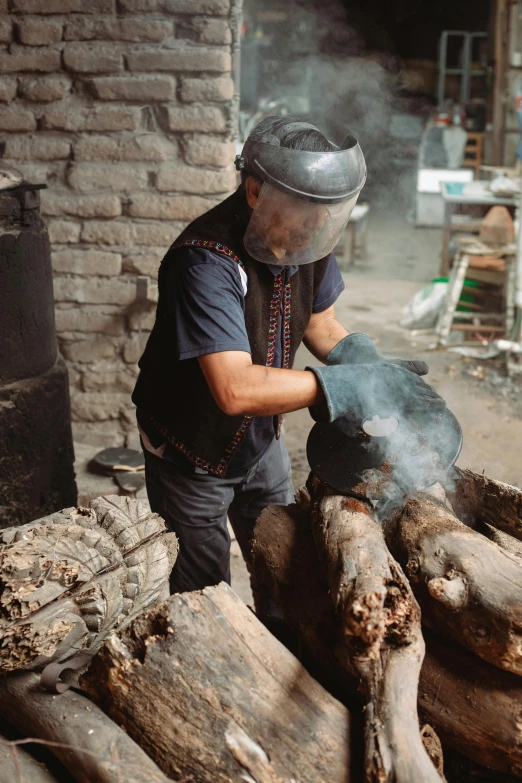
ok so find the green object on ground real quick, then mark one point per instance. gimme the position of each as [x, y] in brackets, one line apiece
[464, 297]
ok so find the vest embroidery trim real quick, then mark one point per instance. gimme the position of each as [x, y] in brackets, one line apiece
[280, 292]
[210, 245]
[287, 311]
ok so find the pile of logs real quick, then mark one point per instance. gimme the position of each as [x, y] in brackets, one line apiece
[417, 615]
[195, 688]
[357, 589]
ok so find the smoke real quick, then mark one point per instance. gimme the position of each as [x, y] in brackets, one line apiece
[384, 494]
[419, 455]
[324, 73]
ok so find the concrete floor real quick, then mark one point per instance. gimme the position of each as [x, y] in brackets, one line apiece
[401, 259]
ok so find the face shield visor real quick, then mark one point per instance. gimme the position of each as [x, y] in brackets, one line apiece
[306, 198]
[292, 231]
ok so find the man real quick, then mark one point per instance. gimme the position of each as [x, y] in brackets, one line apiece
[240, 289]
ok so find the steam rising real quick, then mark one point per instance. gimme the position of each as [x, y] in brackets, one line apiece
[325, 74]
[417, 456]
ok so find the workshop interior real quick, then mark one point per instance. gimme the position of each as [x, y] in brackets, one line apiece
[260, 391]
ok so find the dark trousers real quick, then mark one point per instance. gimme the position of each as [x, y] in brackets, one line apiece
[195, 507]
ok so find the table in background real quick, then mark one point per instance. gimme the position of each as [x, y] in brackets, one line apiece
[473, 194]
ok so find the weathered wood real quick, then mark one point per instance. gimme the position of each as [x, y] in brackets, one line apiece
[97, 750]
[503, 540]
[286, 563]
[367, 586]
[477, 499]
[433, 746]
[381, 622]
[250, 755]
[469, 589]
[476, 708]
[189, 671]
[18, 766]
[68, 579]
[460, 769]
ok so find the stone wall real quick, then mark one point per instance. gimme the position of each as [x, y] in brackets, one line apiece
[126, 109]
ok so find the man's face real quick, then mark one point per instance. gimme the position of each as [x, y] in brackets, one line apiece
[287, 224]
[293, 223]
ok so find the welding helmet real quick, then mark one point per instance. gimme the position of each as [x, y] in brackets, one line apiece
[306, 197]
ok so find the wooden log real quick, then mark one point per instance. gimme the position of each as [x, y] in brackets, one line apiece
[70, 578]
[381, 622]
[474, 707]
[87, 742]
[250, 755]
[368, 588]
[189, 672]
[469, 588]
[477, 499]
[433, 746]
[503, 540]
[18, 766]
[460, 769]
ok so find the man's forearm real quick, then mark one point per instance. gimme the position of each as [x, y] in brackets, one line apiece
[323, 334]
[254, 390]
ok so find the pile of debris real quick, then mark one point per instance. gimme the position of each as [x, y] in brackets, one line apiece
[195, 688]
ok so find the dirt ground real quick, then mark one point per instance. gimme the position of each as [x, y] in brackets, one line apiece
[401, 259]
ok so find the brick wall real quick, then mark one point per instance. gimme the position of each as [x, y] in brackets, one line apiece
[126, 110]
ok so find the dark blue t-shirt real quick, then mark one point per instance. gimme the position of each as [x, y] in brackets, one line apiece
[207, 303]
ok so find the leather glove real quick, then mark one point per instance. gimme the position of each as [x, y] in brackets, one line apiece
[362, 390]
[357, 348]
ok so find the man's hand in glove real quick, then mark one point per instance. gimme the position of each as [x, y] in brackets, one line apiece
[357, 348]
[357, 382]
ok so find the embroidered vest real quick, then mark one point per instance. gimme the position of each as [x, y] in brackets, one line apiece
[175, 393]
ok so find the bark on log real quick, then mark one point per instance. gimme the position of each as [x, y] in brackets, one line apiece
[469, 589]
[476, 708]
[192, 676]
[97, 751]
[18, 766]
[70, 578]
[477, 499]
[381, 622]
